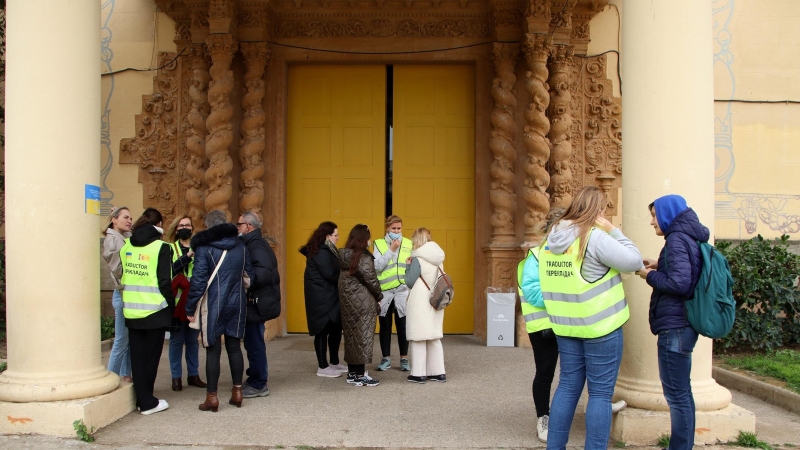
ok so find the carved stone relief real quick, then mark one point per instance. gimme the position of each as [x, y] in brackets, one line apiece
[596, 131]
[560, 125]
[382, 28]
[536, 48]
[154, 149]
[251, 194]
[195, 154]
[501, 142]
[221, 47]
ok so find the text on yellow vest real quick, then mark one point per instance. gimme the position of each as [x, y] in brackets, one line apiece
[579, 308]
[140, 294]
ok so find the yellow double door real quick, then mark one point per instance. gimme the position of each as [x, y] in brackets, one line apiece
[337, 166]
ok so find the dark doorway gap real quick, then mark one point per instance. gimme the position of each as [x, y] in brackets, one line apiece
[389, 136]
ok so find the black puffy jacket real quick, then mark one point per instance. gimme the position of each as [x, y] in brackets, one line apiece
[321, 288]
[266, 286]
[679, 267]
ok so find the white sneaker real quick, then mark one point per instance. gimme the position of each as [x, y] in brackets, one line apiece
[328, 372]
[618, 406]
[340, 367]
[541, 428]
[162, 405]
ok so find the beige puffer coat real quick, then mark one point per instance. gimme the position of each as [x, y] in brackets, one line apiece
[359, 295]
[424, 323]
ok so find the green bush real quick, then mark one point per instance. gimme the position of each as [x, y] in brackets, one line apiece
[106, 328]
[764, 273]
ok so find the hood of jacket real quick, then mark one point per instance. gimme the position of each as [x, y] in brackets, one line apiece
[144, 235]
[562, 236]
[224, 236]
[247, 237]
[430, 252]
[687, 222]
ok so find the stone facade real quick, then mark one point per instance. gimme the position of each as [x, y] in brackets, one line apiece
[540, 139]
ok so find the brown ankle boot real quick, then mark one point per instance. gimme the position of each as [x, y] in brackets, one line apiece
[195, 381]
[236, 396]
[211, 402]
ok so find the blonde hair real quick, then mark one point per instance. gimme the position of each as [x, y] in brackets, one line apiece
[420, 237]
[114, 215]
[392, 219]
[586, 206]
[173, 227]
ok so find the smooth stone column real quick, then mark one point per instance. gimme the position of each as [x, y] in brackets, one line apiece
[668, 118]
[53, 139]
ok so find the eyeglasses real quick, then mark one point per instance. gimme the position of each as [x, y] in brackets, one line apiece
[184, 226]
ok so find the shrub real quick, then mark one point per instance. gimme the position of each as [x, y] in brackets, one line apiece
[764, 274]
[106, 328]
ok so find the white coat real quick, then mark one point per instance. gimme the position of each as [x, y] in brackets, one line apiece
[422, 321]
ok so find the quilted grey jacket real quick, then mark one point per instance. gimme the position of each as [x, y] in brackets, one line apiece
[359, 295]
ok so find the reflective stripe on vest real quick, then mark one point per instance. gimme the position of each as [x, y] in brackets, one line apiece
[578, 308]
[140, 295]
[536, 319]
[176, 254]
[395, 272]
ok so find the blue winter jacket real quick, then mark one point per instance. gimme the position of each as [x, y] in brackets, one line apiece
[679, 267]
[227, 297]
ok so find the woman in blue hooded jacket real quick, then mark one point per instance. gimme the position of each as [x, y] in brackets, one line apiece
[673, 279]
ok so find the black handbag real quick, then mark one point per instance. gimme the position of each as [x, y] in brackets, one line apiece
[263, 305]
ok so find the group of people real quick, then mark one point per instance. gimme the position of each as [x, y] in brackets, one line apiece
[574, 307]
[219, 284]
[345, 289]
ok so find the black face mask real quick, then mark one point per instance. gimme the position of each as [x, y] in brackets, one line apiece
[184, 233]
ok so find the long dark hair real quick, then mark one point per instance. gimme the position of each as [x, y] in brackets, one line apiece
[318, 237]
[357, 242]
[150, 216]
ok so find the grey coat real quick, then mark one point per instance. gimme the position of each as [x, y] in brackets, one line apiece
[359, 295]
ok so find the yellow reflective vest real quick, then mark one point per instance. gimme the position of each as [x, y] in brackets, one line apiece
[140, 293]
[578, 308]
[536, 319]
[395, 272]
[176, 254]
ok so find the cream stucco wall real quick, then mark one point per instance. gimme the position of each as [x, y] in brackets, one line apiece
[128, 29]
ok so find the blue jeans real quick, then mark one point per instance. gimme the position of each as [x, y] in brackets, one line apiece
[593, 361]
[256, 355]
[675, 368]
[177, 339]
[119, 361]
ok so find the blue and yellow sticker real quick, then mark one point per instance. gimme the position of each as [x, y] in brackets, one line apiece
[92, 199]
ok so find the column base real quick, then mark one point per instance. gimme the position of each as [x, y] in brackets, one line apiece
[642, 427]
[55, 418]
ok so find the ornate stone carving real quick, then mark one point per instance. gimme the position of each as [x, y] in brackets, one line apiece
[196, 137]
[537, 13]
[251, 194]
[256, 19]
[381, 28]
[155, 146]
[221, 47]
[199, 19]
[536, 48]
[221, 9]
[501, 142]
[560, 125]
[580, 30]
[182, 32]
[507, 18]
[597, 129]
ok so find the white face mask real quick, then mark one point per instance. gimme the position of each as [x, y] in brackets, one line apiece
[160, 230]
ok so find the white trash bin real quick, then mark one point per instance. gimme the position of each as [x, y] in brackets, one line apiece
[500, 304]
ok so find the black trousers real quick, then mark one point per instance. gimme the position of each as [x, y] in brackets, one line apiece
[358, 369]
[385, 332]
[233, 348]
[328, 340]
[146, 347]
[545, 355]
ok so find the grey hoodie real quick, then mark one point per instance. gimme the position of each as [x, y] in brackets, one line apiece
[604, 250]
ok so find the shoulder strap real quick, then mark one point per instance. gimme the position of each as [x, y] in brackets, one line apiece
[214, 273]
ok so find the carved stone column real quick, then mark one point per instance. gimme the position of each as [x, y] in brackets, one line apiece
[196, 140]
[221, 47]
[536, 48]
[501, 142]
[560, 126]
[251, 195]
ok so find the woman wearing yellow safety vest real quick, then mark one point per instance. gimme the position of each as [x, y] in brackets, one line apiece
[579, 269]
[391, 262]
[180, 333]
[147, 303]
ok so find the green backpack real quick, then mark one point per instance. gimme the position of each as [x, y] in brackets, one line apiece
[712, 310]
